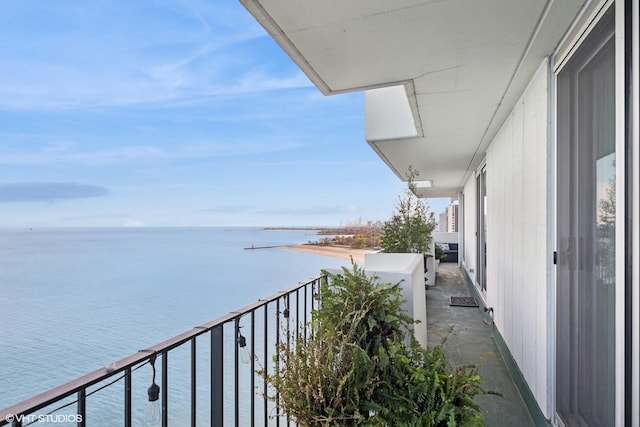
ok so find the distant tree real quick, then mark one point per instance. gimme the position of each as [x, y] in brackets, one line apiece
[359, 242]
[607, 234]
[607, 206]
[411, 225]
[325, 241]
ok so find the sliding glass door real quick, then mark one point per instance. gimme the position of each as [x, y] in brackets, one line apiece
[481, 233]
[585, 348]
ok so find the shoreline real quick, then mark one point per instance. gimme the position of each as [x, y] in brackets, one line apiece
[333, 251]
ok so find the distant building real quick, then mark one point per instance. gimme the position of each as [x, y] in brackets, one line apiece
[448, 220]
[442, 222]
[452, 217]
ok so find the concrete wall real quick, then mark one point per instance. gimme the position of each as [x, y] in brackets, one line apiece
[408, 269]
[388, 114]
[444, 237]
[516, 165]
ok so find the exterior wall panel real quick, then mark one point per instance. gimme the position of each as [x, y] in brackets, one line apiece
[536, 124]
[517, 257]
[522, 309]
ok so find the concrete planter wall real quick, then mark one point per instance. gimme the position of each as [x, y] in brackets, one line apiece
[408, 269]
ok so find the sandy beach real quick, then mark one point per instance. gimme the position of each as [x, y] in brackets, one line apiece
[333, 251]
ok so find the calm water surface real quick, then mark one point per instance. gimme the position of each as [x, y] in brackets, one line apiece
[75, 300]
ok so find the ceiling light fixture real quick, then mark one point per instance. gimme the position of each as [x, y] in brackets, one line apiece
[424, 184]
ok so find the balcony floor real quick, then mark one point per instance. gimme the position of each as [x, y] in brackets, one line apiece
[471, 341]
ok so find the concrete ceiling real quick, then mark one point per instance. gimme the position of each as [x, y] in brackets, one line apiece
[464, 62]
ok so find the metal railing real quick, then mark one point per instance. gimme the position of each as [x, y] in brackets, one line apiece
[240, 343]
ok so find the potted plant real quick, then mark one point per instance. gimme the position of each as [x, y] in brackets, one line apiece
[440, 254]
[411, 225]
[359, 364]
[410, 228]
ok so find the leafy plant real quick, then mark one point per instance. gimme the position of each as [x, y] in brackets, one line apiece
[359, 242]
[361, 365]
[439, 252]
[411, 225]
[358, 308]
[323, 380]
[436, 394]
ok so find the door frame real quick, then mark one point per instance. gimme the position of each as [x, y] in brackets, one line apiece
[481, 235]
[624, 351]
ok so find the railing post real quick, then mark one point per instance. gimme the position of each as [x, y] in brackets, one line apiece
[82, 408]
[236, 373]
[193, 382]
[165, 389]
[277, 358]
[253, 367]
[266, 363]
[217, 377]
[287, 301]
[306, 296]
[127, 397]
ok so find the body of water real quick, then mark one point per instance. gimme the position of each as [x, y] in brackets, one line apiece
[75, 300]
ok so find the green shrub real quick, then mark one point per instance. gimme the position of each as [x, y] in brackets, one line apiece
[410, 228]
[439, 252]
[360, 365]
[359, 242]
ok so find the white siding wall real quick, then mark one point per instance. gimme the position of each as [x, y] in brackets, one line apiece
[517, 233]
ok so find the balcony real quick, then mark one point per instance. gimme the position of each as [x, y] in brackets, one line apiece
[207, 375]
[470, 339]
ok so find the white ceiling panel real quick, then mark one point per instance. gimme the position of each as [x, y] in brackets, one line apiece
[467, 60]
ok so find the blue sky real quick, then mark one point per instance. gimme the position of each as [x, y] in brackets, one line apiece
[172, 113]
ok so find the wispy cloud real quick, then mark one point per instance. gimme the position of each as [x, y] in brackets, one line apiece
[309, 210]
[78, 154]
[181, 50]
[48, 191]
[228, 209]
[185, 109]
[281, 211]
[260, 80]
[133, 223]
